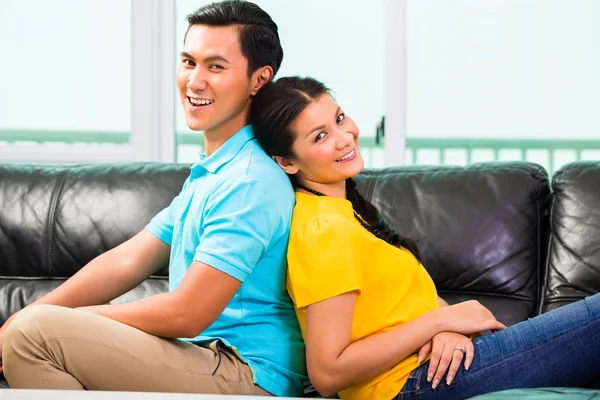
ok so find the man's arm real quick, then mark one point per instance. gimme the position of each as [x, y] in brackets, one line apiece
[107, 276]
[111, 274]
[239, 224]
[190, 309]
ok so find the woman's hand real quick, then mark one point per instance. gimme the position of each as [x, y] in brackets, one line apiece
[447, 350]
[467, 318]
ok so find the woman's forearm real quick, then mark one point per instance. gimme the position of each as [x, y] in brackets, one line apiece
[443, 303]
[366, 358]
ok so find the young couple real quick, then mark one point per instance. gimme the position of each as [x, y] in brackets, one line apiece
[368, 312]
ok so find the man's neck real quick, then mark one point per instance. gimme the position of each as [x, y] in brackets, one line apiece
[215, 138]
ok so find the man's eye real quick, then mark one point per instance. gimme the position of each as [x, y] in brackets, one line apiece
[216, 67]
[340, 118]
[320, 136]
[189, 63]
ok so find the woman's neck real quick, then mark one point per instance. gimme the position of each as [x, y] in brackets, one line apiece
[337, 189]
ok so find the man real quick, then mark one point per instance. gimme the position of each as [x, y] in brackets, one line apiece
[224, 236]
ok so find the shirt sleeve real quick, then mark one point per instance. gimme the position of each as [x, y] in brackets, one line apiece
[162, 224]
[322, 262]
[240, 224]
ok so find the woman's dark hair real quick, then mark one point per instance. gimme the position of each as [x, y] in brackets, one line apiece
[274, 109]
[259, 37]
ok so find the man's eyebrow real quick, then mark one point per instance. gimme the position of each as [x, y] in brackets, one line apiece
[207, 59]
[216, 58]
[187, 55]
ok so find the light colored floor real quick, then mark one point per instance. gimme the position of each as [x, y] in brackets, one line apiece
[18, 394]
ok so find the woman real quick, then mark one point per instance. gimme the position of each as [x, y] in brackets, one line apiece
[372, 321]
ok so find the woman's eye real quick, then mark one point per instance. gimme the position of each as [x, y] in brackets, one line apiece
[340, 118]
[320, 136]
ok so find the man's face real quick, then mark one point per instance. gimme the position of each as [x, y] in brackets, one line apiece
[213, 80]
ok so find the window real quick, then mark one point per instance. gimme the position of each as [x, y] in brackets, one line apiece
[65, 80]
[502, 80]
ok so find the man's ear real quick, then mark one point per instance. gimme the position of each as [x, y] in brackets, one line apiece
[286, 165]
[260, 77]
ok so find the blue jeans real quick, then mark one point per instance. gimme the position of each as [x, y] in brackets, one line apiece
[558, 348]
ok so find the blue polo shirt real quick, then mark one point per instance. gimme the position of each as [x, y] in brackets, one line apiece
[234, 214]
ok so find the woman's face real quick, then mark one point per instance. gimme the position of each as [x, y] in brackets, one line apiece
[326, 148]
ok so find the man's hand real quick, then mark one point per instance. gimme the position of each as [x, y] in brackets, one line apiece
[93, 309]
[2, 331]
[444, 349]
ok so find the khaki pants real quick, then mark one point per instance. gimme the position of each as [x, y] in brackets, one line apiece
[50, 347]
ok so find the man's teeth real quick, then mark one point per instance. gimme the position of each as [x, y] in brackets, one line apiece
[200, 102]
[347, 156]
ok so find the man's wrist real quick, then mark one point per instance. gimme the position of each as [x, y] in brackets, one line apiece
[99, 309]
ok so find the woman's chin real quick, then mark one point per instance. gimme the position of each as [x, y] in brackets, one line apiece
[355, 170]
[357, 166]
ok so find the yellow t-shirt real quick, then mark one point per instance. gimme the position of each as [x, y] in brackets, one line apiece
[329, 254]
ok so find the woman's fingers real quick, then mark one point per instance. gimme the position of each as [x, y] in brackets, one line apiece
[434, 361]
[422, 355]
[470, 354]
[448, 351]
[457, 357]
[445, 360]
[493, 325]
[500, 326]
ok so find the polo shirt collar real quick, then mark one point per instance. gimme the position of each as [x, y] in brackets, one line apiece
[226, 152]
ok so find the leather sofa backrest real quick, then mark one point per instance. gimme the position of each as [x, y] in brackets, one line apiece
[481, 228]
[55, 219]
[573, 268]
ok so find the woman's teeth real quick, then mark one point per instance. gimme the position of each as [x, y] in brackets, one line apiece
[347, 156]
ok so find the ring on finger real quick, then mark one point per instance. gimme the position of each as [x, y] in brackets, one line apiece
[460, 348]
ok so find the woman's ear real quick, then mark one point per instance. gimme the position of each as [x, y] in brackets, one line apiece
[286, 165]
[260, 77]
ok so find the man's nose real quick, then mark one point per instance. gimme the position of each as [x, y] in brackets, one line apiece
[197, 81]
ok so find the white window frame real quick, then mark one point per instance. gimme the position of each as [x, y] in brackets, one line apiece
[395, 84]
[153, 80]
[152, 134]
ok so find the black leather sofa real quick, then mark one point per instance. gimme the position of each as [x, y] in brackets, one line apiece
[496, 232]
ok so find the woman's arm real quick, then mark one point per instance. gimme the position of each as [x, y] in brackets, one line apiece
[335, 363]
[443, 303]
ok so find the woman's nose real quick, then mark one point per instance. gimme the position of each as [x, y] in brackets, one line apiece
[344, 139]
